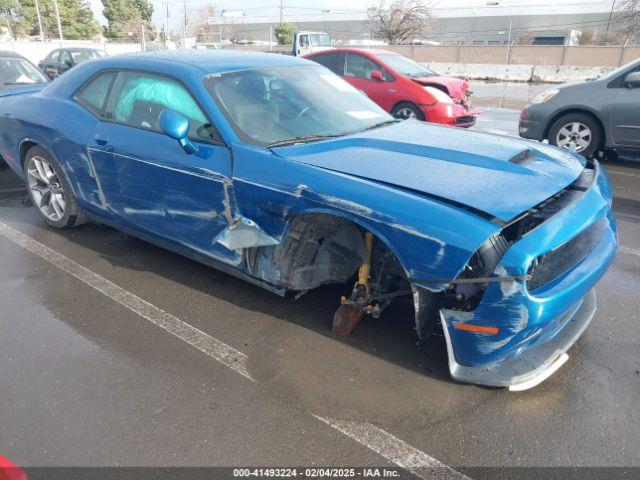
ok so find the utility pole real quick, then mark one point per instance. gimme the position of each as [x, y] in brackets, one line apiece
[143, 40]
[281, 11]
[185, 25]
[55, 3]
[613, 5]
[509, 44]
[270, 33]
[13, 40]
[166, 28]
[39, 21]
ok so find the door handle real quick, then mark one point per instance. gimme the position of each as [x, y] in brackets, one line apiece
[100, 139]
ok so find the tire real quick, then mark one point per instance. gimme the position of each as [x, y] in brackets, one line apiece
[405, 110]
[50, 190]
[577, 132]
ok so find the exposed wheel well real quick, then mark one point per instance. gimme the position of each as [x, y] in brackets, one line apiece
[582, 112]
[24, 148]
[317, 249]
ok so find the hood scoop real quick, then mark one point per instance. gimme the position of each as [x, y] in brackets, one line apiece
[524, 158]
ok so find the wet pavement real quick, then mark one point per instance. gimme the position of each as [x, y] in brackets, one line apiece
[85, 380]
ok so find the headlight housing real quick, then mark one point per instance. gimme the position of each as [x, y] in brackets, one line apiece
[545, 96]
[438, 94]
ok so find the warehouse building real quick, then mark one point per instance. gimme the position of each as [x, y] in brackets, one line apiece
[538, 22]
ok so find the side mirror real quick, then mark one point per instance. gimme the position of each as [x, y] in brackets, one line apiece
[377, 76]
[632, 80]
[176, 126]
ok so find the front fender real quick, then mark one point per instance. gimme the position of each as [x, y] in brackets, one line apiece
[431, 239]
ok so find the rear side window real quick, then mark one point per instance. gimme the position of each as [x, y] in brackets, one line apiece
[359, 66]
[333, 61]
[94, 95]
[138, 98]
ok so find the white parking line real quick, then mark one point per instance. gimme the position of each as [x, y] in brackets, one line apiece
[630, 251]
[626, 174]
[204, 342]
[395, 450]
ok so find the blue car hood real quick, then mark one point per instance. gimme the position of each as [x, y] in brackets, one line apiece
[498, 175]
[8, 90]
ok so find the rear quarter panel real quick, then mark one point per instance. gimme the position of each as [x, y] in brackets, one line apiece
[60, 126]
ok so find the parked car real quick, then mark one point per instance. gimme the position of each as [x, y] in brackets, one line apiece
[17, 74]
[62, 59]
[585, 117]
[273, 169]
[401, 86]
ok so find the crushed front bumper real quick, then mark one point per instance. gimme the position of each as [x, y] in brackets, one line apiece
[534, 365]
[533, 323]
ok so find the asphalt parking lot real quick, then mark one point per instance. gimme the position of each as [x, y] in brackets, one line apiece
[115, 352]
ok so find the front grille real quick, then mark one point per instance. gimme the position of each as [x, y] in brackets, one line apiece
[466, 119]
[555, 263]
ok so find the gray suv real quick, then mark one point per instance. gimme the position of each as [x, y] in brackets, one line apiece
[598, 114]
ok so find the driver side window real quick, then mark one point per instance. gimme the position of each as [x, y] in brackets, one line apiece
[138, 98]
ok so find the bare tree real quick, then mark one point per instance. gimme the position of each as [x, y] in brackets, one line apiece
[401, 20]
[629, 17]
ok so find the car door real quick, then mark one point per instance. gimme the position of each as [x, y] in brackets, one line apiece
[146, 179]
[358, 71]
[50, 64]
[625, 114]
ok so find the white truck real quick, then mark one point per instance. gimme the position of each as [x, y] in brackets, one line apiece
[309, 42]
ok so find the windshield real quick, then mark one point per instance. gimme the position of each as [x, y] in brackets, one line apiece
[274, 105]
[80, 56]
[614, 73]
[320, 40]
[19, 71]
[406, 66]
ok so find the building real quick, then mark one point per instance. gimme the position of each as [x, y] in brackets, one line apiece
[542, 22]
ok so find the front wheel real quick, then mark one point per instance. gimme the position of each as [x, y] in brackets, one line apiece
[405, 110]
[50, 190]
[576, 132]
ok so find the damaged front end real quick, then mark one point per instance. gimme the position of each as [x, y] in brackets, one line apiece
[530, 289]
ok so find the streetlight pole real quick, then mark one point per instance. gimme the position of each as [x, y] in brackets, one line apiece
[613, 5]
[55, 3]
[39, 21]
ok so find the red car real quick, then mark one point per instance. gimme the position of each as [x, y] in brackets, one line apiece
[401, 86]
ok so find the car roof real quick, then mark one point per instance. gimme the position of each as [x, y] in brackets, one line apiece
[370, 51]
[89, 49]
[9, 54]
[208, 61]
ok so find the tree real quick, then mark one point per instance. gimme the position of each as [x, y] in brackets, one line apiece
[401, 20]
[284, 33]
[76, 18]
[12, 16]
[126, 19]
[630, 17]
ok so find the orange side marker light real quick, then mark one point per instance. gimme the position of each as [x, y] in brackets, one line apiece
[476, 328]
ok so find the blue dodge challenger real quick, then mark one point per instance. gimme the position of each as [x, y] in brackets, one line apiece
[273, 169]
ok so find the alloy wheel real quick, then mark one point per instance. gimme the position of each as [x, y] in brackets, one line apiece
[574, 136]
[406, 112]
[46, 189]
